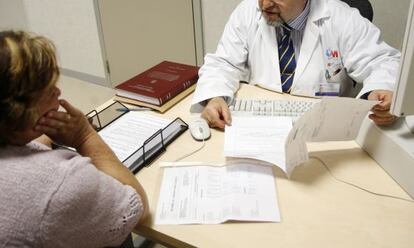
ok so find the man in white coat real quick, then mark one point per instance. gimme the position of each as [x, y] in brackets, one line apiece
[329, 45]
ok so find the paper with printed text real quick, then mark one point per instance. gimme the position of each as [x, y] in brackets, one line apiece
[215, 194]
[275, 140]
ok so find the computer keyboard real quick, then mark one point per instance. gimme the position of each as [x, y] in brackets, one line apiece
[263, 107]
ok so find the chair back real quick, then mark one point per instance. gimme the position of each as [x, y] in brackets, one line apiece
[364, 7]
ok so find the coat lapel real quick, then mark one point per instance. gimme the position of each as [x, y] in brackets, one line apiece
[268, 33]
[311, 36]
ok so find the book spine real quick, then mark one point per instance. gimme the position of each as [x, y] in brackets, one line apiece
[177, 90]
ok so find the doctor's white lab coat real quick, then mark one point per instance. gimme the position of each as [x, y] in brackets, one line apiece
[338, 44]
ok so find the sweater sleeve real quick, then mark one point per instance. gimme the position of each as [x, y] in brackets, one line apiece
[89, 209]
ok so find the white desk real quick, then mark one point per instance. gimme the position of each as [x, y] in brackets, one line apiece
[316, 210]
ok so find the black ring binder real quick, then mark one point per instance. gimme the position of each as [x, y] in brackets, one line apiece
[159, 151]
[153, 147]
[110, 114]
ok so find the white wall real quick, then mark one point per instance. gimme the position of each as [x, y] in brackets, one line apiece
[70, 24]
[391, 18]
[215, 14]
[12, 15]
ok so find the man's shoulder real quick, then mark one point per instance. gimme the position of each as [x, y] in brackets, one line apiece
[339, 8]
[333, 3]
[247, 6]
[335, 13]
[246, 13]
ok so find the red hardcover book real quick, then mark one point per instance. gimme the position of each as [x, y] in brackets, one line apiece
[160, 83]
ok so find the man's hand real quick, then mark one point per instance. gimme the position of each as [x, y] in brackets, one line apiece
[217, 113]
[380, 112]
[70, 128]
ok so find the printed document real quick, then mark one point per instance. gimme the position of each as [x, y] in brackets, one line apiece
[258, 137]
[331, 119]
[215, 194]
[128, 133]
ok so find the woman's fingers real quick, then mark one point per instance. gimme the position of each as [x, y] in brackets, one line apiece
[49, 131]
[56, 120]
[59, 116]
[71, 110]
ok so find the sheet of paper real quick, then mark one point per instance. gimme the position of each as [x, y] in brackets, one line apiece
[272, 140]
[258, 137]
[336, 118]
[128, 133]
[332, 119]
[296, 151]
[212, 195]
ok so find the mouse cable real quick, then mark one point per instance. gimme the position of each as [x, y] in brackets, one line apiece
[359, 187]
[191, 153]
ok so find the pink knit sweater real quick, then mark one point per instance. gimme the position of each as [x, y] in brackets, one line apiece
[57, 198]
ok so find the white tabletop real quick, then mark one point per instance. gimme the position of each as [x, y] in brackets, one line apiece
[316, 210]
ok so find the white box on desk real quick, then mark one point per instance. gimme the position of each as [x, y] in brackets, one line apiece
[392, 148]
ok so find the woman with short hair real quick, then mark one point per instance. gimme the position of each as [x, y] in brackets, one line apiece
[55, 198]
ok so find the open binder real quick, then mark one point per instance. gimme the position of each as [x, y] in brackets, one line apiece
[151, 147]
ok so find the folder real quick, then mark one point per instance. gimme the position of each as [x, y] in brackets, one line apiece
[151, 148]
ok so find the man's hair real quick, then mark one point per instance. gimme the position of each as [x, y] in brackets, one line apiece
[28, 67]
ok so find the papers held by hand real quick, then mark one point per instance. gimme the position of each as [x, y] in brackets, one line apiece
[273, 139]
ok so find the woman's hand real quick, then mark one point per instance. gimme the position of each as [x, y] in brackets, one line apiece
[70, 128]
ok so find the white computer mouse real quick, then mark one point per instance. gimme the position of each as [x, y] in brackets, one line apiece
[199, 129]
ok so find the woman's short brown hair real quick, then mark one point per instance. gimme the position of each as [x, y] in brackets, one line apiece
[28, 66]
